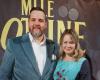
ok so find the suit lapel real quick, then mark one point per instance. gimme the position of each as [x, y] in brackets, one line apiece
[27, 48]
[48, 64]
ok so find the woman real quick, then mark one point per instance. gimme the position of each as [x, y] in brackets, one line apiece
[71, 64]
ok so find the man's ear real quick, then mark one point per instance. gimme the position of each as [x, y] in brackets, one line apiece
[46, 24]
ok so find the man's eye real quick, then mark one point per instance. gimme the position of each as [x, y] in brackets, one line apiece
[65, 42]
[41, 20]
[32, 19]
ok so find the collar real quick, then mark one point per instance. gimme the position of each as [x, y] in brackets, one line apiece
[32, 39]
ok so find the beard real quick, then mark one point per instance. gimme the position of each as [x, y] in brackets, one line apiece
[36, 34]
[36, 31]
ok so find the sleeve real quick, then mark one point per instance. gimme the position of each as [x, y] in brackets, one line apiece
[85, 72]
[7, 64]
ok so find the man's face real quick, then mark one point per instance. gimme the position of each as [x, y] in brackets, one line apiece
[37, 23]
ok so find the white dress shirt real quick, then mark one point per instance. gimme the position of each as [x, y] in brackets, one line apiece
[40, 52]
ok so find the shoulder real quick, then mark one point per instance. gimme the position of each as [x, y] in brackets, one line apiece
[12, 42]
[84, 61]
[85, 71]
[52, 46]
[85, 64]
[51, 42]
[48, 41]
[85, 68]
[18, 39]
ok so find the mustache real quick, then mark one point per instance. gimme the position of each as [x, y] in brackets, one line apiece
[36, 27]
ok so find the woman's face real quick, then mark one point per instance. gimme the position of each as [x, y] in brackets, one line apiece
[68, 44]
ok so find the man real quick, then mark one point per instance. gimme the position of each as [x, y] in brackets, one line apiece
[31, 56]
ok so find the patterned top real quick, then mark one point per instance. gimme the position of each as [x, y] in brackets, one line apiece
[68, 70]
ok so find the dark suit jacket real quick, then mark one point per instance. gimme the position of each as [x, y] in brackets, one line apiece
[19, 61]
[85, 72]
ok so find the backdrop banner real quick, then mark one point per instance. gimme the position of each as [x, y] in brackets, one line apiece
[81, 15]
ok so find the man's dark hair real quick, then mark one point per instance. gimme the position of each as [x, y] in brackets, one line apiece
[38, 9]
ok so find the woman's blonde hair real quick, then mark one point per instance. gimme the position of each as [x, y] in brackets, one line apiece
[75, 38]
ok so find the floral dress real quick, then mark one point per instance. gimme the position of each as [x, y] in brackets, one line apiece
[67, 70]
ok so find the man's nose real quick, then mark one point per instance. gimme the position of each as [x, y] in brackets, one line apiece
[37, 22]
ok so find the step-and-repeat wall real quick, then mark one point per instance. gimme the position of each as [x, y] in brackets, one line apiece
[81, 15]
